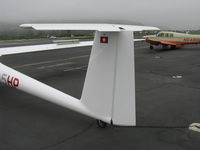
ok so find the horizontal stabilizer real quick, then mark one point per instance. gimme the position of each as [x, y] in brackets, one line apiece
[94, 27]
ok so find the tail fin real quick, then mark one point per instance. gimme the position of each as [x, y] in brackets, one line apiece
[109, 88]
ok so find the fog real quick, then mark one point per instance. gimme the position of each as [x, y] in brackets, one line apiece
[167, 14]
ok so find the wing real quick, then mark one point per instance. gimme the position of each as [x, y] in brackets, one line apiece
[42, 47]
[138, 40]
[45, 47]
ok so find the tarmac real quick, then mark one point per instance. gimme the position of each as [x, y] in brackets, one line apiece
[167, 99]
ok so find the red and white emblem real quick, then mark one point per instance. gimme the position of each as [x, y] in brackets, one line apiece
[104, 39]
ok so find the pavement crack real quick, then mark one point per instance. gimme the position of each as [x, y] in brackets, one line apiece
[187, 86]
[68, 138]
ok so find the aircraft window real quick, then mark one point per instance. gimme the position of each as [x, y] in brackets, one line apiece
[166, 35]
[161, 34]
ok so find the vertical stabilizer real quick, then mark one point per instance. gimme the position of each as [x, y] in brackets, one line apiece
[109, 88]
[99, 83]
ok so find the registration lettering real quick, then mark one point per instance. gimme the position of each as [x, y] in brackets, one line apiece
[192, 40]
[9, 80]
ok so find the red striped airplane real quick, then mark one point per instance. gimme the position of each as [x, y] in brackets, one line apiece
[172, 39]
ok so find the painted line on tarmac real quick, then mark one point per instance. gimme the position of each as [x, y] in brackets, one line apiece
[56, 65]
[53, 61]
[47, 62]
[76, 68]
[141, 47]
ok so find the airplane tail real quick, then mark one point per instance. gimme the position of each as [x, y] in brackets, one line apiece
[109, 89]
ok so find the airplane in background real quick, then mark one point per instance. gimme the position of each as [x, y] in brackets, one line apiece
[171, 39]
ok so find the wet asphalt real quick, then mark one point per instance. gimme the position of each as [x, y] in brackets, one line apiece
[166, 105]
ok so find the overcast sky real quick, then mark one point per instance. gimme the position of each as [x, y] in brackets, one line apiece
[174, 14]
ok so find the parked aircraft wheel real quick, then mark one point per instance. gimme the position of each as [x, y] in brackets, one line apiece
[151, 47]
[173, 46]
[101, 124]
